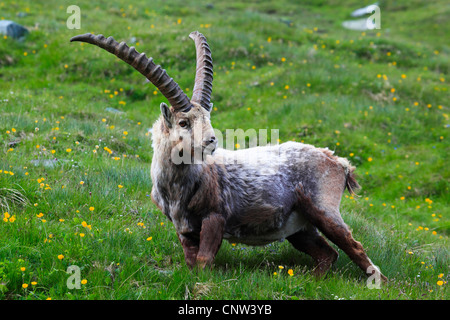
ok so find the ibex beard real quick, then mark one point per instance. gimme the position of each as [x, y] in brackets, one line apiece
[293, 192]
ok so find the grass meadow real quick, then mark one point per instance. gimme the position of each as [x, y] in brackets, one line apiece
[75, 146]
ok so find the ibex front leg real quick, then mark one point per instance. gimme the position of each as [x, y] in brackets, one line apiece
[211, 235]
[190, 248]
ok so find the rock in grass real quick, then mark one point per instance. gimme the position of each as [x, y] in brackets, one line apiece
[12, 29]
[114, 110]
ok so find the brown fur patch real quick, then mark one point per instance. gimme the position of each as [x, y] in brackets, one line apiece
[313, 244]
[211, 236]
[260, 216]
[207, 196]
[190, 248]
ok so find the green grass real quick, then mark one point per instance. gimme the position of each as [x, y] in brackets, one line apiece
[278, 65]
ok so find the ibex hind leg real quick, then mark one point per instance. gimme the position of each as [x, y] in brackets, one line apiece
[330, 223]
[312, 243]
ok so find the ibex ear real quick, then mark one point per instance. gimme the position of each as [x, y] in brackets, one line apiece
[210, 107]
[167, 114]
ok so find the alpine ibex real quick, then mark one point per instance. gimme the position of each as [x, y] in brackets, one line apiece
[214, 199]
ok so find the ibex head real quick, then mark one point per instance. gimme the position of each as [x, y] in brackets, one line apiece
[186, 120]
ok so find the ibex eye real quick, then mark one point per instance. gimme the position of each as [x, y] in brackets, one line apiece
[182, 123]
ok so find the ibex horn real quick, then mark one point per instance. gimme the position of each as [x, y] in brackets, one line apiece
[158, 76]
[204, 72]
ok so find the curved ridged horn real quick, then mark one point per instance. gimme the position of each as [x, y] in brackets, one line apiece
[158, 76]
[204, 72]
